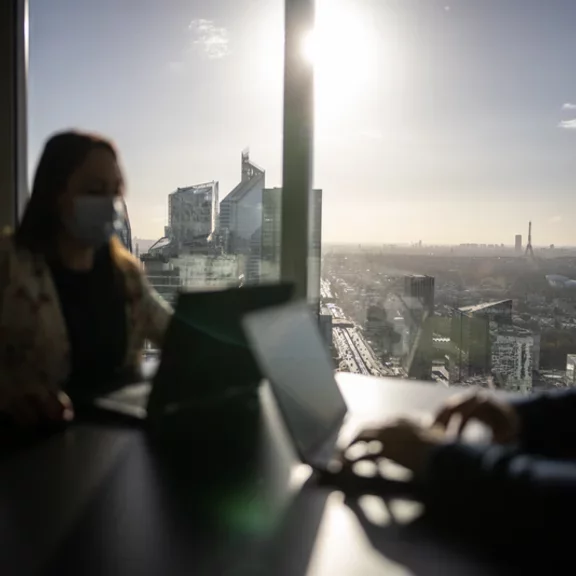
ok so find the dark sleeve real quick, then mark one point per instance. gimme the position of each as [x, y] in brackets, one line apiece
[548, 424]
[501, 494]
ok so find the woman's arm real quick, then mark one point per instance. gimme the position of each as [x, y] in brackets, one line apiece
[156, 313]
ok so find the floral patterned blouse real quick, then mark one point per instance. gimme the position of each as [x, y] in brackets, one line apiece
[34, 344]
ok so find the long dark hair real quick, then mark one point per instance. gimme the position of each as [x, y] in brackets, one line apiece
[62, 155]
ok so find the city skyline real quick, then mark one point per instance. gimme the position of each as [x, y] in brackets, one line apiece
[456, 123]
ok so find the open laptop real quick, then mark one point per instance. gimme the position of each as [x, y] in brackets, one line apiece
[292, 355]
[205, 357]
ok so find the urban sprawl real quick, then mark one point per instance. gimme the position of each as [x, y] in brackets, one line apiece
[493, 316]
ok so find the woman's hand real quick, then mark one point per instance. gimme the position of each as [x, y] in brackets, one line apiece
[498, 415]
[402, 441]
[40, 406]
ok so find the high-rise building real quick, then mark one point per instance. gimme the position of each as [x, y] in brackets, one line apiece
[419, 302]
[241, 210]
[271, 232]
[385, 335]
[470, 337]
[421, 288]
[470, 349]
[499, 311]
[325, 326]
[192, 214]
[315, 247]
[253, 258]
[207, 271]
[271, 238]
[536, 346]
[163, 276]
[512, 357]
[518, 243]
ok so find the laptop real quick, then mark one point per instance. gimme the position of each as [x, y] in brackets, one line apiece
[205, 358]
[292, 355]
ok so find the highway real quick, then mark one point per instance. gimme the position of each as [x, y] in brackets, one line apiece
[354, 351]
[358, 358]
[325, 289]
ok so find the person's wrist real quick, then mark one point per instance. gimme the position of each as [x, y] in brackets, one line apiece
[422, 466]
[430, 443]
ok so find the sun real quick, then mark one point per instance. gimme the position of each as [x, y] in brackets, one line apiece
[341, 48]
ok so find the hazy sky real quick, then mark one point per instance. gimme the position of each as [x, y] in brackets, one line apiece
[437, 120]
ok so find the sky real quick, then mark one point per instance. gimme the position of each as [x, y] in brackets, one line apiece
[446, 121]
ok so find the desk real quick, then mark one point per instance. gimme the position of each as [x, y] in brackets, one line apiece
[96, 499]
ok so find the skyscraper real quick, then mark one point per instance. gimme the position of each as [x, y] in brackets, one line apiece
[241, 210]
[470, 351]
[470, 336]
[314, 246]
[421, 288]
[271, 226]
[271, 238]
[419, 300]
[512, 357]
[192, 213]
[518, 243]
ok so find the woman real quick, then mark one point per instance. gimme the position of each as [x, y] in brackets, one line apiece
[75, 307]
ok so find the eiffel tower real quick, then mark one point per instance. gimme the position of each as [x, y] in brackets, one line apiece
[529, 251]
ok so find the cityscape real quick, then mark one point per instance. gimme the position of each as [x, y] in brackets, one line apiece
[460, 317]
[486, 315]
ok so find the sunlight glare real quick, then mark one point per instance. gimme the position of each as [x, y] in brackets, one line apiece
[342, 49]
[341, 39]
[309, 47]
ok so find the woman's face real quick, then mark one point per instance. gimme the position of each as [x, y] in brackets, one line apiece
[98, 177]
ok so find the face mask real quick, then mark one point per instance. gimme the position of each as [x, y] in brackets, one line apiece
[95, 219]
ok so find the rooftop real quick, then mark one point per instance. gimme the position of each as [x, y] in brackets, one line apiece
[510, 330]
[243, 188]
[196, 189]
[484, 306]
[417, 276]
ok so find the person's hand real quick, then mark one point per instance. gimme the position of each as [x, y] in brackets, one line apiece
[40, 406]
[403, 441]
[498, 415]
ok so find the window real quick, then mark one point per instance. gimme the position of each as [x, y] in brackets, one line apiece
[438, 245]
[191, 93]
[442, 130]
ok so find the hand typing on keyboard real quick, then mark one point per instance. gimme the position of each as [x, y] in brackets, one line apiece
[403, 441]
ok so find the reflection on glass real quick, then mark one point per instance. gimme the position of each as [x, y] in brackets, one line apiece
[436, 144]
[444, 155]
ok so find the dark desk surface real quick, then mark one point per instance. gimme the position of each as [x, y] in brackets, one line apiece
[97, 499]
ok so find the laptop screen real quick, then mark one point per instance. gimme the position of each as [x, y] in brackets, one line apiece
[292, 355]
[206, 356]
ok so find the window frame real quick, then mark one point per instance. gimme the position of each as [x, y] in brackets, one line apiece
[298, 148]
[13, 111]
